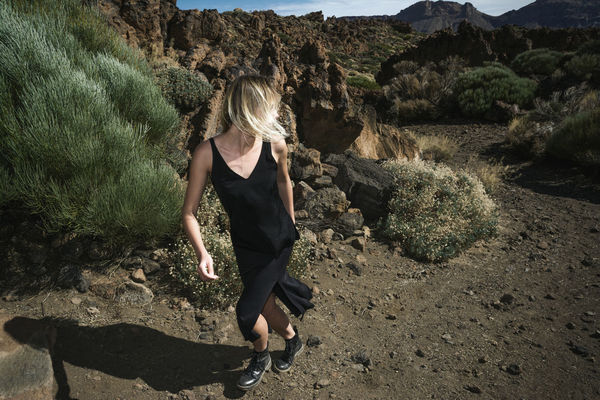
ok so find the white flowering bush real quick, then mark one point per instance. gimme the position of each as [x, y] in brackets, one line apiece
[214, 228]
[435, 212]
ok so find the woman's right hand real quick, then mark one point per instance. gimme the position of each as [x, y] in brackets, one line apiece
[205, 268]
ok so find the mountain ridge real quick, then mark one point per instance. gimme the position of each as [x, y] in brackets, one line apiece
[430, 16]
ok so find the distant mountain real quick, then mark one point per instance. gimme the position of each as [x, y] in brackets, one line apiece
[430, 16]
[554, 14]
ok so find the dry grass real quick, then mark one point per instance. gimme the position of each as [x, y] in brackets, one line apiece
[489, 173]
[435, 147]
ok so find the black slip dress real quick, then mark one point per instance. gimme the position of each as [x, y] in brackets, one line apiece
[262, 235]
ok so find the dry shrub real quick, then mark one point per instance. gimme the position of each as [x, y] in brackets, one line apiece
[435, 147]
[528, 137]
[563, 103]
[490, 173]
[422, 92]
[435, 212]
[412, 110]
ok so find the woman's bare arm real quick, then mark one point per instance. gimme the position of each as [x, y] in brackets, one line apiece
[197, 178]
[284, 183]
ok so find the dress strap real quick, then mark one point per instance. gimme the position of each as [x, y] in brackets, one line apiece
[215, 154]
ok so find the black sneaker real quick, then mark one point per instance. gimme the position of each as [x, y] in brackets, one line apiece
[293, 347]
[252, 375]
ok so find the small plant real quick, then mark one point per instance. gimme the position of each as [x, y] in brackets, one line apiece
[478, 89]
[183, 88]
[435, 212]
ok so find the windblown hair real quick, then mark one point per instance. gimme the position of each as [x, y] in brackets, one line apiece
[250, 103]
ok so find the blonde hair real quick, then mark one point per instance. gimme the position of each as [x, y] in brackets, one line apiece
[249, 103]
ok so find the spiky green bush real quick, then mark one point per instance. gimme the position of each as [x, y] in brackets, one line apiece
[476, 90]
[136, 97]
[577, 138]
[182, 88]
[434, 212]
[77, 153]
[361, 81]
[86, 27]
[215, 228]
[540, 61]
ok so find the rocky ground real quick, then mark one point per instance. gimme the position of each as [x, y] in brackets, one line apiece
[516, 317]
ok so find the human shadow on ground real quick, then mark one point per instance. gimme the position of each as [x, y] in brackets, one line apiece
[130, 351]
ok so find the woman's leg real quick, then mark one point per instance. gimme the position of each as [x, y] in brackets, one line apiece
[263, 330]
[277, 318]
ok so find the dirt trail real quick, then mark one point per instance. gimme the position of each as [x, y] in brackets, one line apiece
[514, 318]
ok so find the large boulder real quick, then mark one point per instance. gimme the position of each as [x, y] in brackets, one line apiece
[324, 206]
[305, 164]
[367, 184]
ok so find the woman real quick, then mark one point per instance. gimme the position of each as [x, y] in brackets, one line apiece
[247, 165]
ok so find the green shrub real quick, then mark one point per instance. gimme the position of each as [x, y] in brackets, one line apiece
[214, 228]
[363, 82]
[577, 138]
[589, 47]
[7, 192]
[540, 61]
[183, 88]
[87, 27]
[76, 152]
[476, 90]
[137, 98]
[585, 67]
[435, 212]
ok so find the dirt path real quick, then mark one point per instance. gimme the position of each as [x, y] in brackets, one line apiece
[515, 318]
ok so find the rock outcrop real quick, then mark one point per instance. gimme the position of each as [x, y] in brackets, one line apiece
[367, 185]
[476, 45]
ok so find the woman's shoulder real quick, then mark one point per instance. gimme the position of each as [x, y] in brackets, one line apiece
[203, 155]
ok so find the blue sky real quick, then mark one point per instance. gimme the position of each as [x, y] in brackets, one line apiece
[340, 8]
